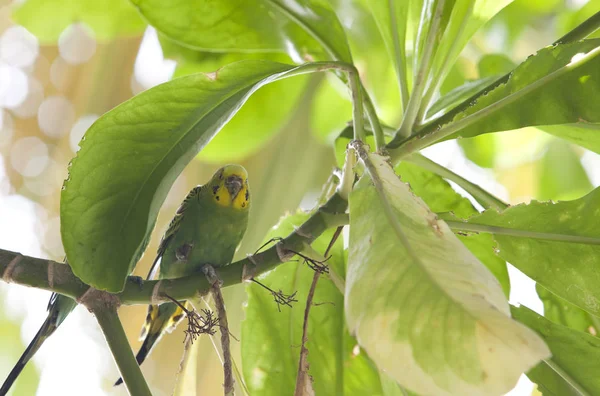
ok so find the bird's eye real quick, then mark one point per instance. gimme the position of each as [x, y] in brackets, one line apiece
[221, 175]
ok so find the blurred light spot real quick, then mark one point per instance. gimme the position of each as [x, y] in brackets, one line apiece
[577, 57]
[40, 69]
[29, 156]
[60, 71]
[591, 164]
[79, 129]
[18, 47]
[56, 116]
[77, 44]
[52, 242]
[35, 95]
[151, 68]
[13, 86]
[48, 182]
[6, 128]
[18, 225]
[135, 85]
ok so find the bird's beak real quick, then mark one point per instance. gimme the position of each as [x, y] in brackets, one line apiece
[234, 184]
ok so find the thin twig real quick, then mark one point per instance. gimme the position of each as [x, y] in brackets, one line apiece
[303, 379]
[279, 297]
[228, 385]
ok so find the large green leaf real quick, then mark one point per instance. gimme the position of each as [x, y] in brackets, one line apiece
[556, 244]
[256, 123]
[551, 87]
[107, 18]
[271, 339]
[297, 27]
[563, 312]
[130, 157]
[583, 134]
[575, 355]
[423, 307]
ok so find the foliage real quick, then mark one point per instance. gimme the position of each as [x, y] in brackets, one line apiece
[416, 302]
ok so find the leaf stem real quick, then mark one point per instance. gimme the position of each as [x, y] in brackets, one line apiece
[399, 50]
[374, 122]
[424, 139]
[472, 227]
[486, 199]
[358, 122]
[412, 109]
[578, 388]
[121, 350]
[439, 76]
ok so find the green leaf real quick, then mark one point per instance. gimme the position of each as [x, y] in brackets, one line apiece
[131, 156]
[562, 176]
[584, 134]
[459, 94]
[575, 354]
[563, 312]
[271, 339]
[494, 65]
[256, 123]
[294, 27]
[543, 238]
[331, 109]
[441, 197]
[109, 19]
[481, 150]
[424, 308]
[551, 87]
[392, 20]
[466, 18]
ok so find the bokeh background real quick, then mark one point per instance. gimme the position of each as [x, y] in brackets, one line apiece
[63, 63]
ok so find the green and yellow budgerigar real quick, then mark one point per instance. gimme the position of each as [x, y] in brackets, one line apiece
[207, 229]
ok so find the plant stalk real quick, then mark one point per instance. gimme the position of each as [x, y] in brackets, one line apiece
[412, 109]
[586, 28]
[121, 350]
[56, 277]
[424, 139]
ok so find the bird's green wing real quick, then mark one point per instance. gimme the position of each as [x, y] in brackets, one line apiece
[172, 229]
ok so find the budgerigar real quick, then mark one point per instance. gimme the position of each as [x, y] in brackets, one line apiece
[207, 229]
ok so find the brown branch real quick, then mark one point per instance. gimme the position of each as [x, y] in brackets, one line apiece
[303, 379]
[211, 275]
[58, 277]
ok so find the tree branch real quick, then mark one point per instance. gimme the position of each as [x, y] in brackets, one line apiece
[58, 277]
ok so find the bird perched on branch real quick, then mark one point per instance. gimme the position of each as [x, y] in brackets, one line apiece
[207, 229]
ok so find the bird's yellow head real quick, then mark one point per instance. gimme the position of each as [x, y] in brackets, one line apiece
[229, 187]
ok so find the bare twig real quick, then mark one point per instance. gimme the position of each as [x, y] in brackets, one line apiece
[204, 323]
[303, 379]
[279, 297]
[228, 385]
